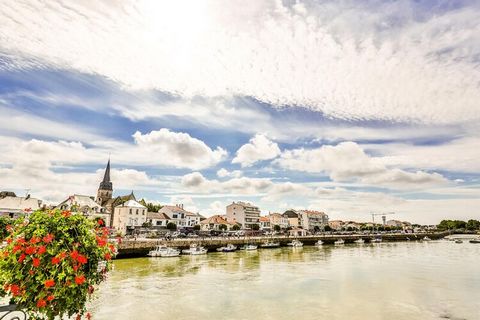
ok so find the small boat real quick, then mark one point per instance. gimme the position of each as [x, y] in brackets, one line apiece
[170, 252]
[270, 244]
[475, 241]
[376, 240]
[458, 241]
[295, 243]
[251, 247]
[359, 241]
[157, 251]
[339, 242]
[426, 239]
[229, 248]
[319, 243]
[195, 250]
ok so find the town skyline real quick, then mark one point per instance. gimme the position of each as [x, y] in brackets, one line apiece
[275, 103]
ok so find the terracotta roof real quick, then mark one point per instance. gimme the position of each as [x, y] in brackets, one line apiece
[157, 216]
[264, 219]
[217, 219]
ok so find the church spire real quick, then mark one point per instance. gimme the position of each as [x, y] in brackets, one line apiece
[106, 184]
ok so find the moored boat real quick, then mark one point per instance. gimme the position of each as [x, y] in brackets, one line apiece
[157, 251]
[270, 244]
[458, 241]
[359, 241]
[319, 243]
[376, 240]
[195, 250]
[475, 241]
[170, 252]
[229, 248]
[295, 243]
[339, 242]
[426, 239]
[251, 247]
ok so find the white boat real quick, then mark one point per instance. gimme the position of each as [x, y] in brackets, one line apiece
[319, 243]
[170, 252]
[458, 241]
[295, 243]
[426, 239]
[339, 242]
[359, 241]
[376, 240]
[251, 247]
[229, 248]
[194, 250]
[270, 244]
[157, 251]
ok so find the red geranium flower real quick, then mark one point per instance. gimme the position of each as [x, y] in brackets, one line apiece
[50, 297]
[21, 258]
[101, 242]
[17, 248]
[15, 290]
[9, 228]
[9, 240]
[49, 283]
[66, 213]
[41, 250]
[82, 259]
[80, 279]
[30, 250]
[36, 262]
[100, 222]
[21, 241]
[74, 254]
[55, 260]
[35, 240]
[48, 238]
[41, 303]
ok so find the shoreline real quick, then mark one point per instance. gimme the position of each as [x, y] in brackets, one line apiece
[140, 247]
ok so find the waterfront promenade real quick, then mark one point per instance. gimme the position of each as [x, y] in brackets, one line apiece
[141, 246]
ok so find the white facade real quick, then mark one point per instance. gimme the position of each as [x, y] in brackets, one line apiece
[129, 215]
[85, 205]
[158, 219]
[312, 220]
[18, 206]
[279, 220]
[244, 213]
[181, 217]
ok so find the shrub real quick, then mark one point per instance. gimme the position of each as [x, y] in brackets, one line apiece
[171, 226]
[52, 262]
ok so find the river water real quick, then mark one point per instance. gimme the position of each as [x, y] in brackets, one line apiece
[431, 280]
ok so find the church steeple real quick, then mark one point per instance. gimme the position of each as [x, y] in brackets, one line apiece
[106, 184]
[105, 190]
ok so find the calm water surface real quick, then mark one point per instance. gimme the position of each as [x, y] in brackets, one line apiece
[435, 280]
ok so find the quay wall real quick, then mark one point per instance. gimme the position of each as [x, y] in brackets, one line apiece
[140, 247]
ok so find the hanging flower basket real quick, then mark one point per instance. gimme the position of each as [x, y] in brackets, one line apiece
[52, 262]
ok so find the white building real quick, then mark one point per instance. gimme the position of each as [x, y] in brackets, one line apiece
[215, 223]
[265, 224]
[313, 220]
[85, 205]
[129, 215]
[181, 217]
[13, 206]
[158, 219]
[244, 213]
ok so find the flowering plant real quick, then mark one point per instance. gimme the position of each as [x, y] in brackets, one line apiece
[52, 261]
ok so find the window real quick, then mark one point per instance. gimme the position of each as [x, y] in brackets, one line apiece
[130, 211]
[174, 216]
[143, 212]
[137, 211]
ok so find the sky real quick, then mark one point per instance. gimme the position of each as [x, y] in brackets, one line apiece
[346, 107]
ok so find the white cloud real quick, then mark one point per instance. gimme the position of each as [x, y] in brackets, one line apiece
[385, 60]
[258, 148]
[347, 161]
[178, 149]
[196, 182]
[223, 173]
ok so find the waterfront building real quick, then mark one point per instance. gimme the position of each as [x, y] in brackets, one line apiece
[181, 217]
[215, 222]
[293, 218]
[158, 219]
[265, 224]
[244, 213]
[86, 206]
[297, 232]
[129, 215]
[335, 224]
[14, 207]
[313, 220]
[279, 220]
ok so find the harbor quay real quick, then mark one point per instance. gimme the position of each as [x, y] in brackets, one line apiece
[141, 247]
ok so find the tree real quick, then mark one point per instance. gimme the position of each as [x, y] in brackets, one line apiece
[236, 227]
[196, 227]
[316, 228]
[150, 206]
[277, 228]
[328, 228]
[147, 224]
[171, 226]
[473, 225]
[223, 227]
[255, 227]
[52, 261]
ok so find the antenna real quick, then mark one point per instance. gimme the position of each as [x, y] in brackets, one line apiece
[27, 192]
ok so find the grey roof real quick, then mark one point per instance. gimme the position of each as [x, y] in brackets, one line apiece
[19, 203]
[157, 216]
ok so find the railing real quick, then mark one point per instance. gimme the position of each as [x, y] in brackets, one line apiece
[10, 312]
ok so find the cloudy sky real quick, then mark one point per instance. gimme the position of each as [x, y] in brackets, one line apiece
[348, 107]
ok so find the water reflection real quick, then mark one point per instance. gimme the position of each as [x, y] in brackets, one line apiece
[375, 281]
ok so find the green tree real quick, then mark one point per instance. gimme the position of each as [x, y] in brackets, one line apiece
[473, 225]
[171, 226]
[316, 228]
[147, 224]
[255, 227]
[327, 228]
[277, 228]
[150, 206]
[236, 227]
[4, 222]
[196, 227]
[223, 227]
